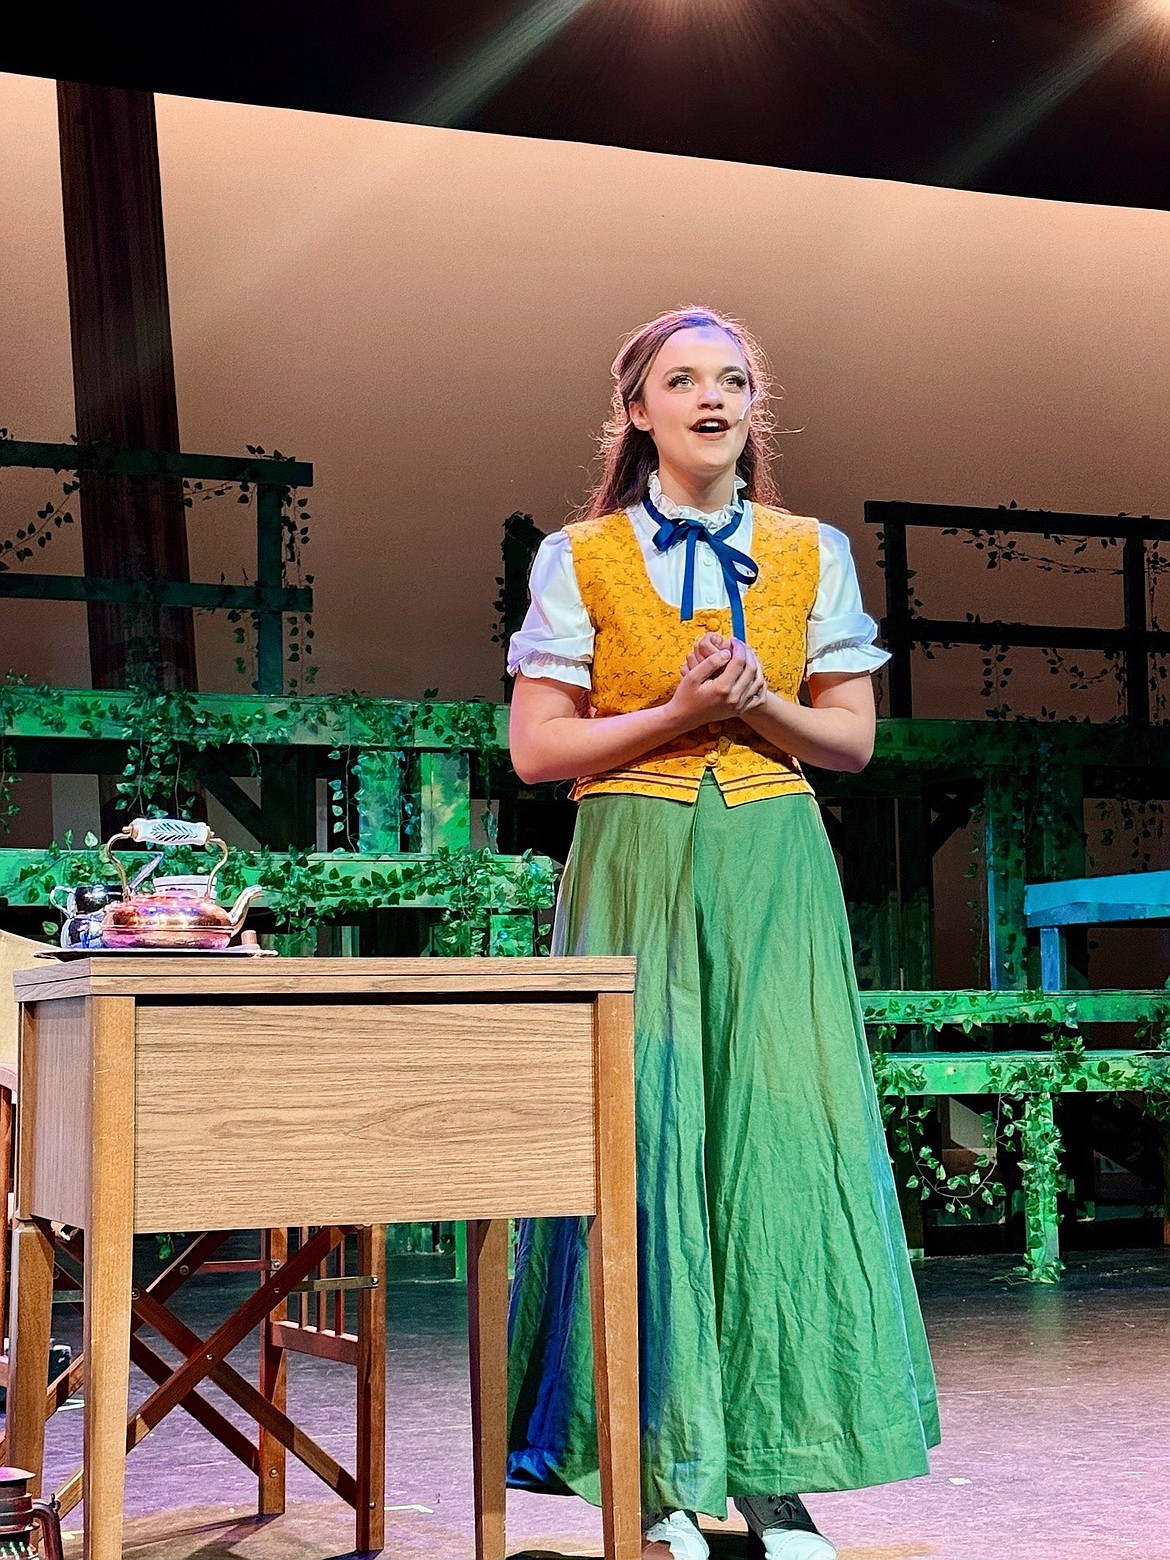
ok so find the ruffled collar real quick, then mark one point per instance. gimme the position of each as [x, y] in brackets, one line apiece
[709, 522]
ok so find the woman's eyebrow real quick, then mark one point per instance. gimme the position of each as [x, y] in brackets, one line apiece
[685, 368]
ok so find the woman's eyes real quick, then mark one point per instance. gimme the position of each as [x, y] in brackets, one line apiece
[733, 381]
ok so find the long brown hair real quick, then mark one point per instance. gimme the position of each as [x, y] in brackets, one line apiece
[628, 455]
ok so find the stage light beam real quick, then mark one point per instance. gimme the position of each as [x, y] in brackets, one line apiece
[493, 62]
[1032, 106]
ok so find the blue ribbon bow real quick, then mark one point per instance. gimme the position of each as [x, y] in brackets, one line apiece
[738, 568]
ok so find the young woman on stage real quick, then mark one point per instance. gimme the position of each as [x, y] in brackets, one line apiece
[660, 667]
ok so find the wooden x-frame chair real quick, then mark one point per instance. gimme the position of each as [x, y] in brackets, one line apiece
[313, 1270]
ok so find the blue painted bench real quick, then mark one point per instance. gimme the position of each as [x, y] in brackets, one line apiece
[1052, 907]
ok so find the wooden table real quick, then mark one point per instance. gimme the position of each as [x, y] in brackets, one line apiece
[166, 1093]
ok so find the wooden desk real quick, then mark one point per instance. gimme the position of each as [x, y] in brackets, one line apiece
[185, 1093]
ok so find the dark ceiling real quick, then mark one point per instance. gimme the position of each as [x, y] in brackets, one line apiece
[1064, 99]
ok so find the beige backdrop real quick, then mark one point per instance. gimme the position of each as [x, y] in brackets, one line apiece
[428, 316]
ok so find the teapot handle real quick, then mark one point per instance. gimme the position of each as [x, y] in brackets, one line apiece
[167, 831]
[164, 831]
[223, 856]
[116, 862]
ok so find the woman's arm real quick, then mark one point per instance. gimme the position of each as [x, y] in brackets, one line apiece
[550, 736]
[836, 733]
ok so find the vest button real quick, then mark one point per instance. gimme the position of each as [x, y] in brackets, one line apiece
[711, 759]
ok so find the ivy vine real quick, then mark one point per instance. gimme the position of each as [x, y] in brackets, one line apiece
[474, 889]
[899, 1081]
[39, 532]
[1023, 1118]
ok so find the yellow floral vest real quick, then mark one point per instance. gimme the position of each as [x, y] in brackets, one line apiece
[640, 646]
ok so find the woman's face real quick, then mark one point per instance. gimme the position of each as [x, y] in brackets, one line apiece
[695, 402]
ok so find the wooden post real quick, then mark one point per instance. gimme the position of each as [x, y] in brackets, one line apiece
[1041, 1229]
[288, 798]
[1056, 851]
[1005, 848]
[870, 872]
[1137, 661]
[916, 891]
[898, 623]
[123, 377]
[270, 571]
[870, 849]
[522, 537]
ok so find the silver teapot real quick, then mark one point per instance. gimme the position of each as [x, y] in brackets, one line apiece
[84, 908]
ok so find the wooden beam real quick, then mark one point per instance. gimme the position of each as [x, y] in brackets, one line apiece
[110, 460]
[232, 796]
[165, 594]
[123, 376]
[1041, 522]
[1038, 636]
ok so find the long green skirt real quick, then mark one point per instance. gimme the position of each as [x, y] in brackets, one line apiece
[782, 1346]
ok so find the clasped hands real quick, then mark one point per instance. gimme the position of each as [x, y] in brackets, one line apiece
[722, 679]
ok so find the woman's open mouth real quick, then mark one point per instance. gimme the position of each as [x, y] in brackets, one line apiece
[711, 427]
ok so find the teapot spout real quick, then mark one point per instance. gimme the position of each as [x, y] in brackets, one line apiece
[240, 909]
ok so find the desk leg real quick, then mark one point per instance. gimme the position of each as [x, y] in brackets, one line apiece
[371, 1393]
[487, 1322]
[613, 1282]
[31, 1315]
[109, 1249]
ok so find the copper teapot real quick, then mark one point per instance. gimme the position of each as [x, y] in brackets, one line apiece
[179, 912]
[19, 1514]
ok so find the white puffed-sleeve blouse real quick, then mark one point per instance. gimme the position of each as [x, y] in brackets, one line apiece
[556, 639]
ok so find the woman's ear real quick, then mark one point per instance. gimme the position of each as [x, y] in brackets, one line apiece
[639, 418]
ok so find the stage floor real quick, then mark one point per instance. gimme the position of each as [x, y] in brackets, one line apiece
[1054, 1406]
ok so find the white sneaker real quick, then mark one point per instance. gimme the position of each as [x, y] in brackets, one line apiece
[680, 1531]
[784, 1527]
